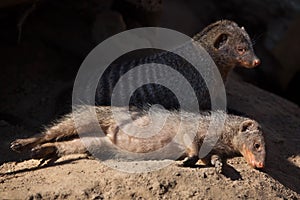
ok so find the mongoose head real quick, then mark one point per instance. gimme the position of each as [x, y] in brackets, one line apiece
[228, 44]
[249, 141]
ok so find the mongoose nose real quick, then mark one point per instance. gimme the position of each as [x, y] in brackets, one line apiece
[256, 62]
[260, 165]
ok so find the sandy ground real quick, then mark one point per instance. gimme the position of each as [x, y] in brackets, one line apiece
[74, 177]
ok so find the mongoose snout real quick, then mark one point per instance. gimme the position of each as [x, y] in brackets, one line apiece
[250, 63]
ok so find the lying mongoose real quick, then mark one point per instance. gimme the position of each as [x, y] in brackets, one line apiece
[239, 136]
[228, 44]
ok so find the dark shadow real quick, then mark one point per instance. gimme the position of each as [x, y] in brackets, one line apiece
[50, 163]
[280, 148]
[280, 168]
[194, 166]
[230, 172]
[289, 176]
[233, 111]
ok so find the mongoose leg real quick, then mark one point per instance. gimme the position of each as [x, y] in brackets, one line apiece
[63, 129]
[46, 150]
[58, 149]
[214, 160]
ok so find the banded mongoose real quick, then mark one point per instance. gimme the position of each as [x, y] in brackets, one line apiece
[228, 44]
[240, 136]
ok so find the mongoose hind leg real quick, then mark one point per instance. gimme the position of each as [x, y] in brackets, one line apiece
[58, 149]
[47, 152]
[64, 129]
[44, 151]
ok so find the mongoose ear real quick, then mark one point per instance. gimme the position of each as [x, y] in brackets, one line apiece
[221, 40]
[248, 125]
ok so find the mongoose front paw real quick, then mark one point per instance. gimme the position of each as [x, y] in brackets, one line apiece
[219, 167]
[190, 161]
[217, 163]
[44, 151]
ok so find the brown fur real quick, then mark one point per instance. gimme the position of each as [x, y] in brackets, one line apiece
[240, 136]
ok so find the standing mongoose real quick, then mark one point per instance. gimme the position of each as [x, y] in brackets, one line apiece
[228, 44]
[239, 136]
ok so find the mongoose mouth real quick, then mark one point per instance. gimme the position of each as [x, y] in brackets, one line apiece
[250, 158]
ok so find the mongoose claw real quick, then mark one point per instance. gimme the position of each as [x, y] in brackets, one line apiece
[17, 145]
[190, 161]
[218, 167]
[20, 145]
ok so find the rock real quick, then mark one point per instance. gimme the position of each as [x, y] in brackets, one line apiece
[137, 13]
[10, 3]
[107, 24]
[176, 14]
[148, 5]
[287, 52]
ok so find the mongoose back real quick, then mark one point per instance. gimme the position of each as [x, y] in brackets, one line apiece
[228, 44]
[240, 136]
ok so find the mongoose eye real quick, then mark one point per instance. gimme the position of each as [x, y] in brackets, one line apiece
[256, 146]
[241, 50]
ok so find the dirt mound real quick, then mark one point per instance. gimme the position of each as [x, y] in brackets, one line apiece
[72, 177]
